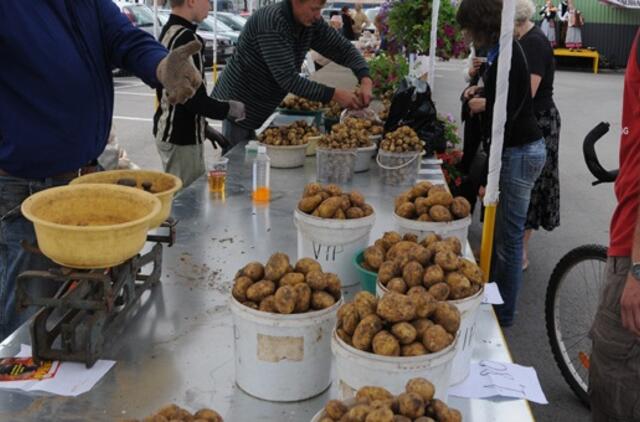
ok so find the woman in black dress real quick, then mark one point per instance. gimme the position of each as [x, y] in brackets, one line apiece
[347, 24]
[544, 209]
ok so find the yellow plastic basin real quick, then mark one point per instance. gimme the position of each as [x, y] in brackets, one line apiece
[163, 186]
[91, 225]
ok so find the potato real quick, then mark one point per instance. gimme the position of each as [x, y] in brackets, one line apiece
[365, 331]
[357, 199]
[291, 279]
[411, 405]
[459, 285]
[439, 197]
[335, 409]
[387, 271]
[367, 209]
[334, 286]
[421, 387]
[346, 202]
[385, 344]
[425, 217]
[436, 338]
[310, 203]
[365, 304]
[285, 299]
[251, 304]
[397, 285]
[402, 199]
[358, 413]
[422, 206]
[421, 325]
[322, 300]
[420, 254]
[391, 238]
[355, 212]
[306, 265]
[443, 246]
[209, 415]
[380, 415]
[471, 270]
[460, 207]
[277, 266]
[183, 415]
[382, 404]
[369, 394]
[440, 291]
[401, 248]
[456, 245]
[329, 207]
[449, 261]
[412, 274]
[155, 418]
[340, 215]
[422, 188]
[268, 304]
[413, 349]
[425, 303]
[333, 189]
[348, 318]
[258, 291]
[404, 332]
[448, 316]
[303, 297]
[410, 237]
[400, 418]
[374, 256]
[407, 210]
[429, 239]
[312, 189]
[454, 416]
[316, 280]
[316, 213]
[394, 307]
[240, 286]
[416, 289]
[422, 419]
[324, 195]
[344, 336]
[440, 213]
[169, 411]
[253, 270]
[434, 274]
[438, 410]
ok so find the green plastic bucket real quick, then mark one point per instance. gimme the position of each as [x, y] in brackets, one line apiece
[367, 278]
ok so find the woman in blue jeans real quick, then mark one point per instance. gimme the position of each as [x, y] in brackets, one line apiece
[524, 152]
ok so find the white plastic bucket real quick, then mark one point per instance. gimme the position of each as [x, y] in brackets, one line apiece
[356, 369]
[398, 168]
[333, 243]
[468, 308]
[286, 156]
[363, 160]
[457, 228]
[282, 357]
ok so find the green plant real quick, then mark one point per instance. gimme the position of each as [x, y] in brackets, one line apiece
[452, 155]
[387, 72]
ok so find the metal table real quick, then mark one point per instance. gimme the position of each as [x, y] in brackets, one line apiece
[179, 345]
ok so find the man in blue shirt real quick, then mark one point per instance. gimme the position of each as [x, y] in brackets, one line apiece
[56, 106]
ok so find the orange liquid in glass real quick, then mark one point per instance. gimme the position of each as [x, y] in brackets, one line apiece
[217, 181]
[261, 194]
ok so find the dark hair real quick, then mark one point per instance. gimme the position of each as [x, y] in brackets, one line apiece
[333, 13]
[345, 9]
[482, 19]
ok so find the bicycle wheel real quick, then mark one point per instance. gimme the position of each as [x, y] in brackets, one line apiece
[570, 307]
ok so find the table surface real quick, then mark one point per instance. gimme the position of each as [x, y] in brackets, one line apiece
[178, 346]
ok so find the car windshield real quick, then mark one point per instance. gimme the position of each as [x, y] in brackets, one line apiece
[142, 15]
[234, 21]
[208, 23]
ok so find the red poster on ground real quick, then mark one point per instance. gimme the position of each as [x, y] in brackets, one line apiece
[25, 369]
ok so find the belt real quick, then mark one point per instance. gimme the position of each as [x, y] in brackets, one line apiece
[69, 175]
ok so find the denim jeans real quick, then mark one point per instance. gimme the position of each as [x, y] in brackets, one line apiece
[521, 167]
[14, 228]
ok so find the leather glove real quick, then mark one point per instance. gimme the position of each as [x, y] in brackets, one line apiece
[236, 111]
[177, 74]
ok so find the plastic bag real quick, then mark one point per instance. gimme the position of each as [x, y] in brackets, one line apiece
[364, 113]
[412, 106]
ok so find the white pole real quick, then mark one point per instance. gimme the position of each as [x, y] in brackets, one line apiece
[500, 105]
[155, 19]
[215, 41]
[435, 11]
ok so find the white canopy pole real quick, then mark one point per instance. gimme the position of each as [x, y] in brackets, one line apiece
[215, 41]
[435, 11]
[155, 19]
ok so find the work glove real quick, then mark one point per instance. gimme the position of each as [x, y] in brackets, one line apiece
[236, 111]
[178, 75]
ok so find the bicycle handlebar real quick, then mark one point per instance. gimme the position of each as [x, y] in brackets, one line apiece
[591, 159]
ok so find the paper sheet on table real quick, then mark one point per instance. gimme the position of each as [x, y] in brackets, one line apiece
[72, 378]
[492, 294]
[491, 379]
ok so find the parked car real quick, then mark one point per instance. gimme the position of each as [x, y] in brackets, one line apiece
[224, 6]
[235, 22]
[209, 23]
[140, 15]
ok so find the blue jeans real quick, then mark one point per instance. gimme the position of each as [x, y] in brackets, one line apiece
[521, 167]
[14, 228]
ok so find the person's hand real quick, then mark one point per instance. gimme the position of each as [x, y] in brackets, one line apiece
[475, 66]
[366, 91]
[177, 74]
[347, 99]
[630, 305]
[236, 111]
[477, 105]
[481, 192]
[470, 92]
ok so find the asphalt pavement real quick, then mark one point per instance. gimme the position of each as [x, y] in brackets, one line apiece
[584, 99]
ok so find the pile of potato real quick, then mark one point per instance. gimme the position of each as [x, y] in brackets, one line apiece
[279, 287]
[398, 325]
[293, 102]
[334, 109]
[376, 404]
[403, 139]
[329, 201]
[386, 106]
[350, 134]
[427, 202]
[434, 265]
[174, 413]
[297, 133]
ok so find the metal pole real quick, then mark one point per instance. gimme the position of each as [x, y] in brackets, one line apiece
[215, 41]
[435, 11]
[155, 19]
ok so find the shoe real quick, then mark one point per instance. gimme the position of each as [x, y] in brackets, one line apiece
[525, 265]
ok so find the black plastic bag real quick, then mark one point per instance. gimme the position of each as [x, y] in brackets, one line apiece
[417, 110]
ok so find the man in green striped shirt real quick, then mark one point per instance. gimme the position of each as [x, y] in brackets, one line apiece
[269, 57]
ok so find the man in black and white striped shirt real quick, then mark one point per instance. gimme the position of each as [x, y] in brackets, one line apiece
[269, 57]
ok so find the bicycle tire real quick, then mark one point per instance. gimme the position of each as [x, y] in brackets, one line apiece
[558, 276]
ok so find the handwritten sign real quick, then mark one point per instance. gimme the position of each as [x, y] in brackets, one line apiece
[490, 379]
[326, 253]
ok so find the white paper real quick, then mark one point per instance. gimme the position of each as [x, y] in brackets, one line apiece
[492, 294]
[491, 379]
[72, 378]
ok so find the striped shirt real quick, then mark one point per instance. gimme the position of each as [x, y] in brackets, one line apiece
[269, 57]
